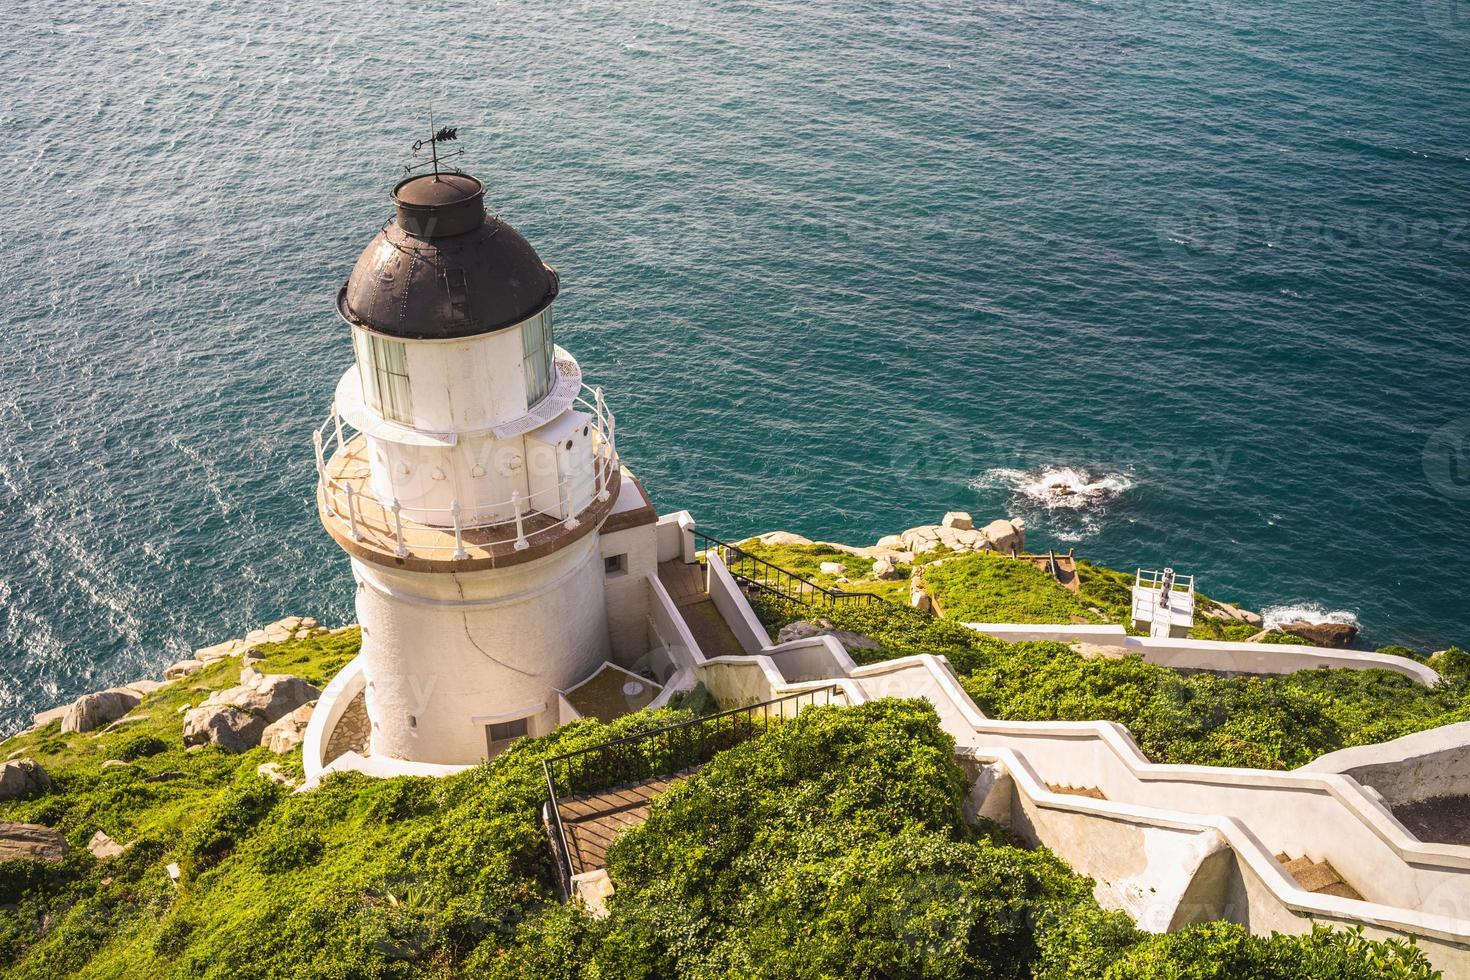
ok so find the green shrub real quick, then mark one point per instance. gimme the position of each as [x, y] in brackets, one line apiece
[140, 746]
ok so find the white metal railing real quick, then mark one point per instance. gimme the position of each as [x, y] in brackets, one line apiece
[1157, 580]
[364, 512]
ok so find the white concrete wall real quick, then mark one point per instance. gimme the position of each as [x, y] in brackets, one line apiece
[1416, 767]
[730, 601]
[455, 652]
[1213, 655]
[627, 591]
[676, 537]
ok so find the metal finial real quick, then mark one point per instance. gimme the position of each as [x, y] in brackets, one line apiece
[444, 134]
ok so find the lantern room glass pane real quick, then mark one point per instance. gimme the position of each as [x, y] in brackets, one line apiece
[383, 365]
[538, 349]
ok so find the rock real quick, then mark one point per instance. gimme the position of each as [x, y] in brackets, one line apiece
[890, 541]
[272, 771]
[1338, 636]
[959, 520]
[1261, 636]
[143, 688]
[920, 540]
[182, 669]
[801, 629]
[22, 777]
[288, 731]
[832, 568]
[1233, 612]
[114, 763]
[236, 718]
[232, 729]
[124, 722]
[782, 537]
[43, 718]
[91, 710]
[309, 622]
[920, 600]
[30, 840]
[1006, 536]
[104, 847]
[219, 651]
[886, 568]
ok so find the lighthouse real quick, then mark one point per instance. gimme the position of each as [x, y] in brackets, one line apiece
[469, 473]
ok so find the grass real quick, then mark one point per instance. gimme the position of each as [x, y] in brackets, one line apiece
[806, 560]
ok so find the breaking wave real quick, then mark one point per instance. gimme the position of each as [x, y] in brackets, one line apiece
[1306, 612]
[1057, 487]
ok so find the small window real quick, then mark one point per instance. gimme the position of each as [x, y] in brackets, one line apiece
[615, 565]
[497, 735]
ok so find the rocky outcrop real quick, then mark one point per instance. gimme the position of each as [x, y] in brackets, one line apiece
[21, 778]
[30, 840]
[183, 669]
[235, 719]
[1003, 536]
[1338, 636]
[886, 568]
[959, 520]
[93, 710]
[232, 729]
[801, 629]
[782, 537]
[1225, 611]
[289, 731]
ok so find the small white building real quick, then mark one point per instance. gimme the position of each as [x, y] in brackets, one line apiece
[1163, 603]
[498, 545]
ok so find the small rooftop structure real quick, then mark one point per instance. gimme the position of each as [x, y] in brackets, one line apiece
[1163, 603]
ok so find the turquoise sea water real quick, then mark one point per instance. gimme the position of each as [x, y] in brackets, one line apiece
[841, 266]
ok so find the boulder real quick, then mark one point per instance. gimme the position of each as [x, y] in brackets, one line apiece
[892, 542]
[219, 651]
[801, 629]
[91, 710]
[959, 520]
[22, 777]
[832, 568]
[143, 688]
[962, 539]
[182, 669]
[920, 600]
[232, 729]
[886, 568]
[1006, 536]
[43, 718]
[783, 537]
[921, 539]
[1235, 613]
[30, 840]
[1338, 636]
[288, 731]
[104, 847]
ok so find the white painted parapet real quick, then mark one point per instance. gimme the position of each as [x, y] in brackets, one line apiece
[330, 706]
[1215, 655]
[1416, 767]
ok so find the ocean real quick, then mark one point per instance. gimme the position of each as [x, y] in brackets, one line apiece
[841, 266]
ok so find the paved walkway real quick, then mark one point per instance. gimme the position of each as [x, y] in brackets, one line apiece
[685, 585]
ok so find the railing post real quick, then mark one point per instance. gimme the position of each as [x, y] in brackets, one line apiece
[337, 418]
[521, 543]
[352, 513]
[401, 551]
[321, 467]
[459, 553]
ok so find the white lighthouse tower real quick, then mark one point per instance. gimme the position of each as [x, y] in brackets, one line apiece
[468, 472]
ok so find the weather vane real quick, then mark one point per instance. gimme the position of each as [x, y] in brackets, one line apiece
[445, 134]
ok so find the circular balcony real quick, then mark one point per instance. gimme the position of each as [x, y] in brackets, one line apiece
[447, 539]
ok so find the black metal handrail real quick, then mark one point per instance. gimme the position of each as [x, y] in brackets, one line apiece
[661, 752]
[766, 577]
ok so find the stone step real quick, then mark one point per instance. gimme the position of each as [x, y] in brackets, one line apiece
[1091, 792]
[1318, 877]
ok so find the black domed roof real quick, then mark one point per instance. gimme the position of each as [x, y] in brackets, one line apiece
[443, 269]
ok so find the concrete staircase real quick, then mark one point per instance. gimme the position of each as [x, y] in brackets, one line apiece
[1318, 877]
[1091, 792]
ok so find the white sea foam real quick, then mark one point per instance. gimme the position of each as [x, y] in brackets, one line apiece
[1057, 487]
[1306, 612]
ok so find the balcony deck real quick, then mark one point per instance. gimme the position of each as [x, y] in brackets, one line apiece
[431, 548]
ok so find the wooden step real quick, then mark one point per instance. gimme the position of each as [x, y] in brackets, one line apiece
[1317, 877]
[1091, 792]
